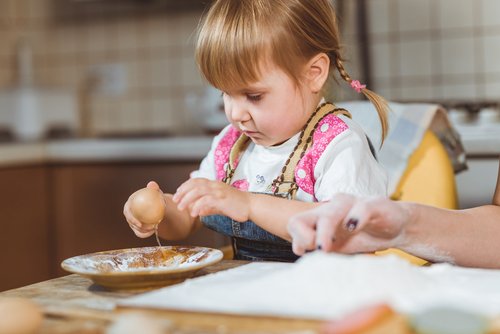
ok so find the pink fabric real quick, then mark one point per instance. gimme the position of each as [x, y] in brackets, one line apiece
[222, 151]
[328, 128]
[241, 184]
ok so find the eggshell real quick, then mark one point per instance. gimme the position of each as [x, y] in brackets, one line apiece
[148, 206]
[19, 316]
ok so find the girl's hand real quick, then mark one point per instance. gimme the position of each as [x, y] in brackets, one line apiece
[141, 229]
[348, 224]
[203, 197]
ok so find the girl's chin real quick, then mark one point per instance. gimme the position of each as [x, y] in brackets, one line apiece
[261, 141]
[266, 143]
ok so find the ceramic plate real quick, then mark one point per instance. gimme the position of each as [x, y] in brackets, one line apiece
[137, 268]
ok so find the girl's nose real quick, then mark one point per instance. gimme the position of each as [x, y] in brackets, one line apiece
[239, 113]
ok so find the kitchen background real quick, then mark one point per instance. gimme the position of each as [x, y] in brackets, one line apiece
[97, 77]
[133, 70]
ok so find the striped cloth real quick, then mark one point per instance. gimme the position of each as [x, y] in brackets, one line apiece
[407, 124]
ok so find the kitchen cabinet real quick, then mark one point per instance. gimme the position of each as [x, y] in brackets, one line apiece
[53, 211]
[25, 234]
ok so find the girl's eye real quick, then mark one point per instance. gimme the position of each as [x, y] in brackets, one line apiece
[254, 97]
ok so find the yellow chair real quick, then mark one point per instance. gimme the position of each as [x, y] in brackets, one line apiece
[429, 179]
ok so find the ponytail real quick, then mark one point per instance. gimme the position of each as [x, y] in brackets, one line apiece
[378, 101]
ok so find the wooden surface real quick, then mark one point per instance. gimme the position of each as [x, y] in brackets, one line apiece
[72, 304]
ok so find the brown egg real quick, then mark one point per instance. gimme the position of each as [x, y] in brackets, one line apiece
[19, 316]
[148, 206]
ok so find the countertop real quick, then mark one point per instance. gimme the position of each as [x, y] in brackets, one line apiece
[105, 150]
[477, 142]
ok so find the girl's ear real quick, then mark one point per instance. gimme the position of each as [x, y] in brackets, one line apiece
[316, 71]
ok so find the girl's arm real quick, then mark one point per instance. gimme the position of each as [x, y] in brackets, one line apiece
[203, 197]
[177, 224]
[273, 213]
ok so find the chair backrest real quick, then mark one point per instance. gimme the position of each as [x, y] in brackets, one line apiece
[429, 178]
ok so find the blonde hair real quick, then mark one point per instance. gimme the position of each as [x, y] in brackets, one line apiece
[238, 35]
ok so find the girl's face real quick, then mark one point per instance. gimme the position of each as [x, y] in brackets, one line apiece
[271, 110]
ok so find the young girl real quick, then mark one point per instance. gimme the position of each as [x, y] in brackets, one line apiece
[286, 149]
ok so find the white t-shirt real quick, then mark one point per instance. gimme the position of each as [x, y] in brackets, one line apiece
[343, 164]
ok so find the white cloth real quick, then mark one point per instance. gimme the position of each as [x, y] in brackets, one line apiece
[407, 124]
[327, 286]
[346, 165]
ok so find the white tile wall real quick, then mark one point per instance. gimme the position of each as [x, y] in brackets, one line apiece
[418, 92]
[490, 13]
[155, 50]
[379, 21]
[414, 15]
[465, 89]
[416, 66]
[492, 53]
[382, 60]
[425, 49]
[457, 13]
[453, 43]
[457, 55]
[492, 89]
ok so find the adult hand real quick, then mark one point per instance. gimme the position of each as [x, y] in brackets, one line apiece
[348, 224]
[203, 197]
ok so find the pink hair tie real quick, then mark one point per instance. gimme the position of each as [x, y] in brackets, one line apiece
[357, 86]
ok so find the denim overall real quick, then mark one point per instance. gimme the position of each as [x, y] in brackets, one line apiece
[249, 241]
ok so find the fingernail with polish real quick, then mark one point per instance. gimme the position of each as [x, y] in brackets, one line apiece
[351, 224]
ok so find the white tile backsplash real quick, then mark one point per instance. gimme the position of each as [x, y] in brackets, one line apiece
[457, 13]
[126, 37]
[425, 49]
[164, 117]
[135, 115]
[162, 73]
[458, 55]
[492, 53]
[463, 89]
[490, 13]
[379, 12]
[422, 92]
[492, 89]
[191, 77]
[416, 58]
[414, 15]
[451, 45]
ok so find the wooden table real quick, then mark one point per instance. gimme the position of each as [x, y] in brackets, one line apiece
[73, 304]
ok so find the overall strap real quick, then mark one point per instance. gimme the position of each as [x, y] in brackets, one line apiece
[285, 184]
[239, 147]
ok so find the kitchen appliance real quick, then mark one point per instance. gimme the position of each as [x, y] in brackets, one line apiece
[479, 126]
